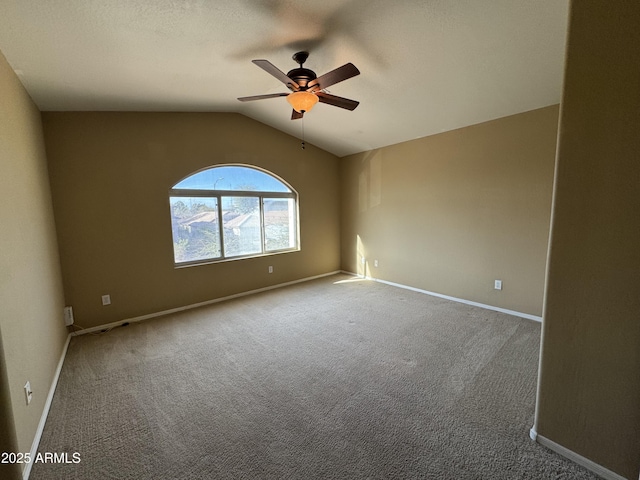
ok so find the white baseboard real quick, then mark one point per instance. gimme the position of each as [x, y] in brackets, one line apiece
[575, 457]
[45, 412]
[453, 299]
[196, 305]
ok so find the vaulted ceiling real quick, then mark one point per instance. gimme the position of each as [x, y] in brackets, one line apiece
[427, 66]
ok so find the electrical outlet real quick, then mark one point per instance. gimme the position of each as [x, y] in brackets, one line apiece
[28, 394]
[498, 285]
[363, 260]
[106, 299]
[270, 269]
[375, 263]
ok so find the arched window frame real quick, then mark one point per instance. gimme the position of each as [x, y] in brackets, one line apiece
[220, 197]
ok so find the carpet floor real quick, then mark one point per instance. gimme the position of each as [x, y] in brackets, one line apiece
[333, 378]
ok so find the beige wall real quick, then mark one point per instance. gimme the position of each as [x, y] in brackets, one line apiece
[451, 213]
[589, 389]
[8, 441]
[31, 298]
[110, 177]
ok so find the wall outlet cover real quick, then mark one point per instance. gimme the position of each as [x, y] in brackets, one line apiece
[68, 316]
[28, 394]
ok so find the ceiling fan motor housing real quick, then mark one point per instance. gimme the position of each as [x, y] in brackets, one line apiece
[302, 76]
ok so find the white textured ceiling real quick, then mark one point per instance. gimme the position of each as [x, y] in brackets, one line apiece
[427, 66]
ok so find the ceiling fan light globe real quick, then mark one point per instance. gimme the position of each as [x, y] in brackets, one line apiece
[302, 101]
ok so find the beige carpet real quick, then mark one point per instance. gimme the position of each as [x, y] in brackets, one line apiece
[333, 378]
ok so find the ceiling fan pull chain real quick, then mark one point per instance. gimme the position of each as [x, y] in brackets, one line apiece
[302, 122]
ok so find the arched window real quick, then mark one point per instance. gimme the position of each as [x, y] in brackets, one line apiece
[232, 211]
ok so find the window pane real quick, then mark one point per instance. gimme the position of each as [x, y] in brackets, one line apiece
[196, 231]
[241, 222]
[232, 178]
[279, 223]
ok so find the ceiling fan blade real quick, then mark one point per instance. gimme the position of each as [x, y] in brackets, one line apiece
[296, 115]
[337, 101]
[334, 76]
[270, 68]
[262, 97]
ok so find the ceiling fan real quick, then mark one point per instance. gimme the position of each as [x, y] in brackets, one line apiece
[306, 87]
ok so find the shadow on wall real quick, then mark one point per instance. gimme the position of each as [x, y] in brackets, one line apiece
[370, 181]
[369, 196]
